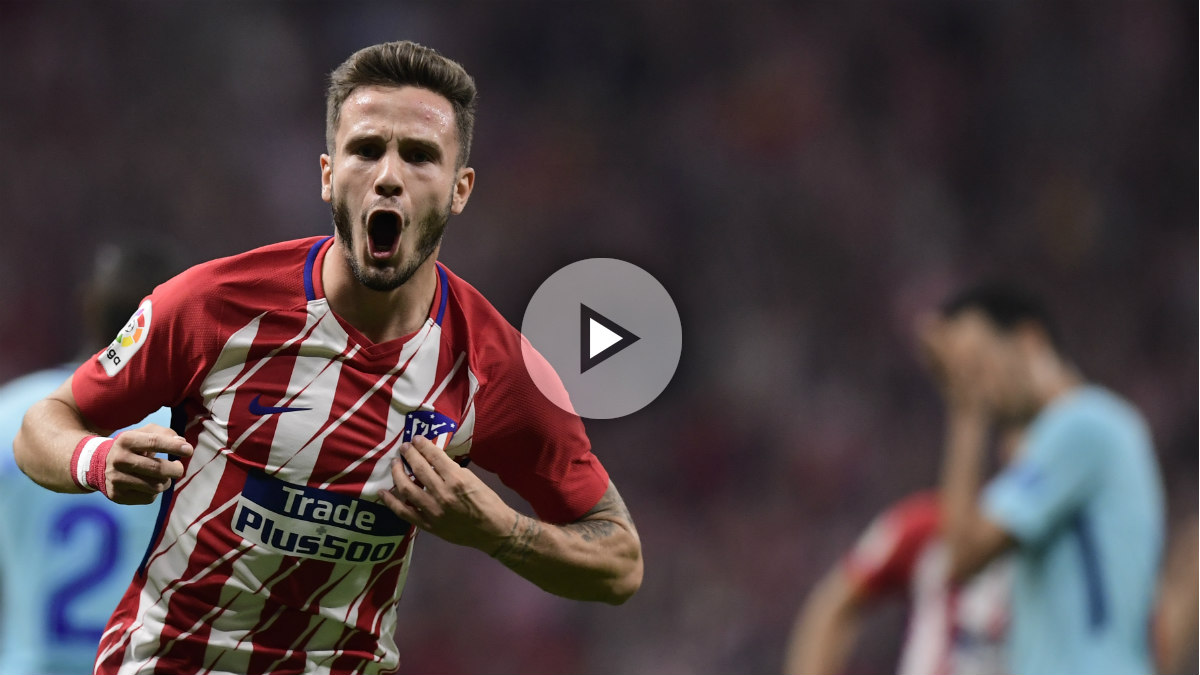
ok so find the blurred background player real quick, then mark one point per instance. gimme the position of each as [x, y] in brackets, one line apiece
[1082, 504]
[952, 631]
[65, 559]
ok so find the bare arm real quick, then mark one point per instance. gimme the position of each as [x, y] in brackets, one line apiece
[54, 426]
[825, 629]
[972, 540]
[598, 557]
[48, 435]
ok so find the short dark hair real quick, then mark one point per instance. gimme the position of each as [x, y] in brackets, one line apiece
[403, 64]
[1006, 305]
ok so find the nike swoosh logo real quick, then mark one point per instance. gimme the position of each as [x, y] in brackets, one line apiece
[257, 408]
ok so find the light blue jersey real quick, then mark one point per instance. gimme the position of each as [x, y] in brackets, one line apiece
[1085, 503]
[65, 559]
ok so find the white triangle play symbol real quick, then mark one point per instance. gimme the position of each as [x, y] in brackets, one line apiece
[600, 338]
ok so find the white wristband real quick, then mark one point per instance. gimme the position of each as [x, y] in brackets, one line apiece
[85, 460]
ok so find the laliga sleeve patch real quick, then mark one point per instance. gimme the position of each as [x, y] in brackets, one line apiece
[128, 341]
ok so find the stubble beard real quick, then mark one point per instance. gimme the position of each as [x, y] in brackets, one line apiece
[429, 232]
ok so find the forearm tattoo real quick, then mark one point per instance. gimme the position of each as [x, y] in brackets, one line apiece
[604, 518]
[602, 522]
[591, 530]
[519, 543]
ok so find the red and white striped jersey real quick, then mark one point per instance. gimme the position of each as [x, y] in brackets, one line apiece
[951, 631]
[273, 553]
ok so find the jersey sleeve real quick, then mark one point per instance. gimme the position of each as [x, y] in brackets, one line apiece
[536, 448]
[882, 560]
[153, 361]
[1057, 470]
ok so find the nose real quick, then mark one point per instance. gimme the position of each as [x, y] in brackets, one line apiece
[388, 182]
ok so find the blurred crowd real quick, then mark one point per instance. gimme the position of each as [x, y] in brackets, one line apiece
[805, 179]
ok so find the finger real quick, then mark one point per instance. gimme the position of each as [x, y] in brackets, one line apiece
[404, 510]
[408, 491]
[149, 466]
[152, 468]
[183, 449]
[124, 483]
[150, 442]
[436, 456]
[127, 461]
[126, 489]
[420, 466]
[172, 469]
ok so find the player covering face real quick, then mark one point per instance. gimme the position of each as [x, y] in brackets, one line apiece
[1082, 505]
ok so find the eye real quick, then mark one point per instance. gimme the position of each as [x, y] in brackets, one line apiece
[418, 156]
[368, 151]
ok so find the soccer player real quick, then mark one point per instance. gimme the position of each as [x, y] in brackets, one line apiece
[955, 630]
[328, 393]
[65, 560]
[1082, 505]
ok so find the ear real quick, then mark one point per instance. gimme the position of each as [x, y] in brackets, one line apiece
[326, 178]
[462, 190]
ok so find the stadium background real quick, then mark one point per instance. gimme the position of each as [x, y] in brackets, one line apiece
[804, 180]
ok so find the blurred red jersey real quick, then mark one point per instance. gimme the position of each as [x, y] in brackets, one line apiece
[273, 553]
[951, 631]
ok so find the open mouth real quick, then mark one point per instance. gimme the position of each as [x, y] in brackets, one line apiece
[383, 233]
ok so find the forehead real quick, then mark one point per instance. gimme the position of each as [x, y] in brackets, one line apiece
[397, 111]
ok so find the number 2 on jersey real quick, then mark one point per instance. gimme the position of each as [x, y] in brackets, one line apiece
[101, 563]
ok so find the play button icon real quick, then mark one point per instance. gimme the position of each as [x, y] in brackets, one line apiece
[600, 338]
[610, 333]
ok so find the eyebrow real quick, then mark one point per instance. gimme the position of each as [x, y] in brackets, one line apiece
[431, 146]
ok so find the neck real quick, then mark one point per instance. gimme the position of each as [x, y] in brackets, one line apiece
[379, 315]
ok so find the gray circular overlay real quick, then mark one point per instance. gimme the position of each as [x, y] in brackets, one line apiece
[611, 333]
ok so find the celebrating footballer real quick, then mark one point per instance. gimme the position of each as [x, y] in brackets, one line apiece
[327, 395]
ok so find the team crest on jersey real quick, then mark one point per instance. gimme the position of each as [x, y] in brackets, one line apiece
[128, 341]
[310, 522]
[428, 423]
